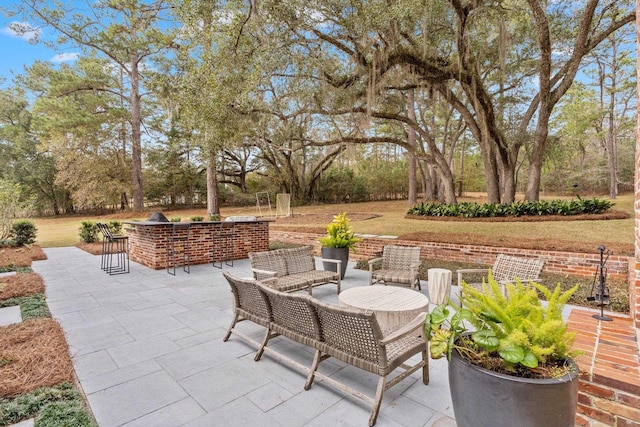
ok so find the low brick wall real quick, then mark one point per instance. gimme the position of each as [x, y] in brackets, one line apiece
[578, 264]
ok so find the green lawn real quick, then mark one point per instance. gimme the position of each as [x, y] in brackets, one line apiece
[63, 231]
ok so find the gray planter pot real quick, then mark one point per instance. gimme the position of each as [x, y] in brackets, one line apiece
[482, 398]
[335, 253]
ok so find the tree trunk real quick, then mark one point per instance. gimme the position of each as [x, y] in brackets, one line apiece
[212, 186]
[411, 112]
[136, 150]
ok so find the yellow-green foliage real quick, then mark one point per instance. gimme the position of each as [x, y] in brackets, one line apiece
[515, 326]
[339, 233]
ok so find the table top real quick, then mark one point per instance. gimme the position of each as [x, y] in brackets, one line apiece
[383, 298]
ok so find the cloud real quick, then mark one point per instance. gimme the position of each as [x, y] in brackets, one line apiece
[65, 57]
[21, 30]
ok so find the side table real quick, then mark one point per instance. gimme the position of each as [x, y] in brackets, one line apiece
[439, 284]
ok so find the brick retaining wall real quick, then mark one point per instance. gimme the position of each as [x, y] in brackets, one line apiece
[578, 264]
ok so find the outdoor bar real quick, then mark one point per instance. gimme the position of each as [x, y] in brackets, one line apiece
[148, 240]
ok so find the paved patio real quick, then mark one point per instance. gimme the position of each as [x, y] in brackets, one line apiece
[147, 348]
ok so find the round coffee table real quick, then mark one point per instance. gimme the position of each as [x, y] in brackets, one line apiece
[394, 306]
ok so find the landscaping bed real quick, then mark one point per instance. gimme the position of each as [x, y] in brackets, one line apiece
[36, 372]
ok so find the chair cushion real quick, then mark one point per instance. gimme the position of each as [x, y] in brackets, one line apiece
[393, 276]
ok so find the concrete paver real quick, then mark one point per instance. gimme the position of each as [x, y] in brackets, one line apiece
[10, 315]
[148, 351]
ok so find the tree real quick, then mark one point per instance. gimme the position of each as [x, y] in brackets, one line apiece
[21, 159]
[362, 48]
[82, 132]
[128, 33]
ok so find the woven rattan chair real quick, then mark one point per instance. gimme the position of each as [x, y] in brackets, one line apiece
[354, 337]
[400, 265]
[506, 269]
[248, 304]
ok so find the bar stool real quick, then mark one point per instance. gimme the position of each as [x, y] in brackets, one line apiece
[114, 245]
[178, 246]
[223, 239]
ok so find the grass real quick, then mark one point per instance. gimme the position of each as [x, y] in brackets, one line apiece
[60, 406]
[63, 231]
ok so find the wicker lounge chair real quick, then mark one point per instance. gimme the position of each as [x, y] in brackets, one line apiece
[400, 265]
[506, 269]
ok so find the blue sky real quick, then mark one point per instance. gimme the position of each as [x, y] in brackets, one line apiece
[16, 52]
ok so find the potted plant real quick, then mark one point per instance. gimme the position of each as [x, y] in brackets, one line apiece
[510, 357]
[336, 244]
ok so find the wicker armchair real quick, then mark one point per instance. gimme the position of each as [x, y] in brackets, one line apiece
[354, 337]
[400, 265]
[506, 269]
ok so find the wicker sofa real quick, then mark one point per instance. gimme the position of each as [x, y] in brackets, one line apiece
[292, 269]
[350, 335]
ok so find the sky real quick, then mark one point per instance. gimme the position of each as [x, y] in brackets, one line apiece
[16, 52]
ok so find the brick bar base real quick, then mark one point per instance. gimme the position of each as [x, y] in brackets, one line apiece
[148, 242]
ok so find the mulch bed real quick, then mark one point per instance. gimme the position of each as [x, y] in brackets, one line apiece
[33, 354]
[20, 285]
[94, 248]
[548, 244]
[21, 257]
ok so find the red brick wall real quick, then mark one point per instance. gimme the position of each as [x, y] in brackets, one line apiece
[609, 383]
[555, 262]
[148, 243]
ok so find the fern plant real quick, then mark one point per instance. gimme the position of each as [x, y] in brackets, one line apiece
[507, 333]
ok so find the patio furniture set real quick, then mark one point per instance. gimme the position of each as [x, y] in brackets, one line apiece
[374, 328]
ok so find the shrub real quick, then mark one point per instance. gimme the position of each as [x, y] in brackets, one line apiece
[214, 217]
[197, 218]
[115, 226]
[88, 231]
[175, 219]
[516, 209]
[11, 206]
[23, 233]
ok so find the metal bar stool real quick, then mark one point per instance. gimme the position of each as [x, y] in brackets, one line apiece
[223, 239]
[178, 246]
[114, 245]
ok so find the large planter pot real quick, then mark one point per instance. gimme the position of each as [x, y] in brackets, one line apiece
[335, 253]
[482, 398]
